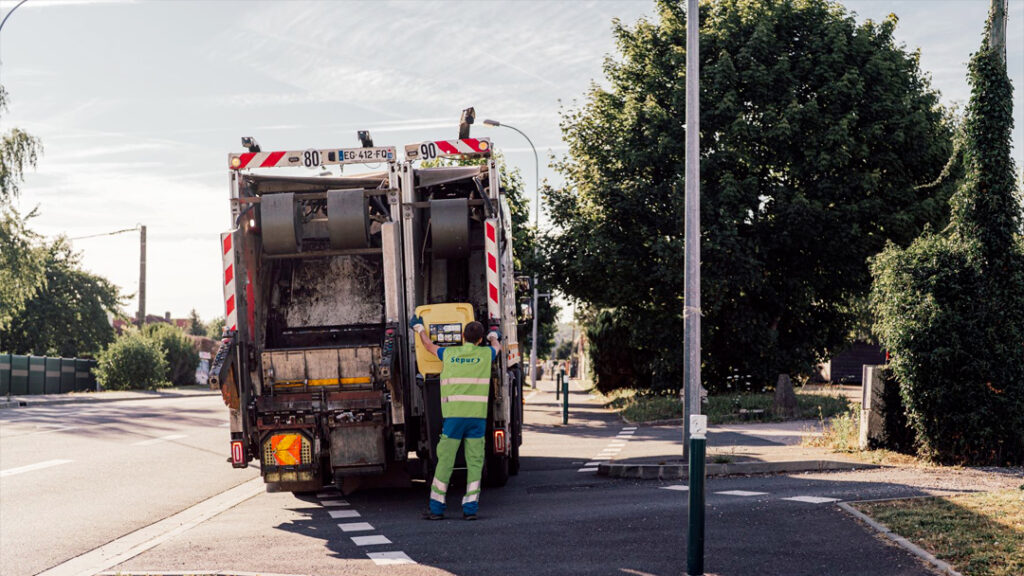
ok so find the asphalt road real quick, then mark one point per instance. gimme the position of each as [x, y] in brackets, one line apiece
[551, 519]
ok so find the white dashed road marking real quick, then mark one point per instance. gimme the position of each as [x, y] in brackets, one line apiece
[355, 527]
[331, 498]
[343, 513]
[167, 438]
[743, 493]
[680, 487]
[370, 540]
[812, 499]
[611, 451]
[386, 558]
[31, 467]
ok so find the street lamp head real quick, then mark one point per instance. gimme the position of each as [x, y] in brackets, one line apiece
[493, 123]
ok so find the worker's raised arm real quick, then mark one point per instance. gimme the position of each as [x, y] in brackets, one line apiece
[417, 324]
[494, 339]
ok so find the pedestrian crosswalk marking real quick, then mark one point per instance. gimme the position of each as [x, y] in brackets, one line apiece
[680, 487]
[589, 469]
[374, 540]
[343, 513]
[334, 502]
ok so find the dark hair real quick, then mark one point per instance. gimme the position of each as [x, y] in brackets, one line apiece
[473, 333]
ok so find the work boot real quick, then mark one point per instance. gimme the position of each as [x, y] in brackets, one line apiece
[428, 515]
[468, 516]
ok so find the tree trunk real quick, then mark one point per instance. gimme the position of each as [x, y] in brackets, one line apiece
[785, 398]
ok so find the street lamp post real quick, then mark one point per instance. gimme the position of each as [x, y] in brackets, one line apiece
[536, 225]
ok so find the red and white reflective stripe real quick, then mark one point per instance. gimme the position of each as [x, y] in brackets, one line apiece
[311, 158]
[441, 148]
[228, 256]
[491, 251]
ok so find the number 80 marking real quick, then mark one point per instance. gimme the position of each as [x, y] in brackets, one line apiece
[311, 158]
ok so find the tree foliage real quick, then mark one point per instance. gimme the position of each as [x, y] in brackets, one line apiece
[22, 272]
[950, 307]
[18, 150]
[195, 324]
[179, 353]
[815, 134]
[132, 361]
[69, 314]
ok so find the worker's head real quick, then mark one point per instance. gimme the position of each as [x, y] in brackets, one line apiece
[474, 333]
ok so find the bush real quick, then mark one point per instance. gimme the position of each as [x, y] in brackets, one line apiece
[179, 352]
[132, 361]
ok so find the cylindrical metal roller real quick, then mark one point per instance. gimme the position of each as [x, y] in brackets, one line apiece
[348, 219]
[449, 228]
[278, 220]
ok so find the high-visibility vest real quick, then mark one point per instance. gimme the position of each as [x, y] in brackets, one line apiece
[465, 381]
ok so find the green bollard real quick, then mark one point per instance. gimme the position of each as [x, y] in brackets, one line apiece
[565, 398]
[558, 384]
[695, 530]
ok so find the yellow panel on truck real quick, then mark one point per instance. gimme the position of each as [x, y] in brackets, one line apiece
[444, 323]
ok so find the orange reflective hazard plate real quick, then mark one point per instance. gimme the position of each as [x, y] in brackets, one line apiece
[287, 449]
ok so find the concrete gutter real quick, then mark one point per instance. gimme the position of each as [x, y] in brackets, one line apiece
[907, 545]
[643, 471]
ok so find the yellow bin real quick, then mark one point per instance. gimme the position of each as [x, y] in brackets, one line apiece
[444, 323]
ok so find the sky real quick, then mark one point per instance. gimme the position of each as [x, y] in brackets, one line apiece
[138, 103]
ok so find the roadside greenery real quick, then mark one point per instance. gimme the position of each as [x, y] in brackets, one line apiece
[724, 409]
[950, 307]
[179, 353]
[979, 534]
[816, 133]
[133, 361]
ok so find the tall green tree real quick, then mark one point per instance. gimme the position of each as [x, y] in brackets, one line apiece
[195, 324]
[816, 133]
[69, 315]
[21, 269]
[950, 307]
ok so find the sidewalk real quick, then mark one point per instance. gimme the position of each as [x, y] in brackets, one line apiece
[32, 401]
[656, 451]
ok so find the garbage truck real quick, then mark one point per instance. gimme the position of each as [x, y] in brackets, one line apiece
[322, 377]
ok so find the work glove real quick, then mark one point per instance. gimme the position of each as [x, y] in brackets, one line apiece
[417, 323]
[494, 333]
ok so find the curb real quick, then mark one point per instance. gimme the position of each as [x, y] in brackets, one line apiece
[907, 545]
[679, 471]
[26, 403]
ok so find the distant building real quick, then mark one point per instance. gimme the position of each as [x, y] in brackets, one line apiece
[180, 323]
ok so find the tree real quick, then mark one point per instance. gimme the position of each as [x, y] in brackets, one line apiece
[18, 149]
[815, 135]
[179, 353]
[195, 324]
[133, 361]
[215, 329]
[950, 307]
[69, 315]
[21, 272]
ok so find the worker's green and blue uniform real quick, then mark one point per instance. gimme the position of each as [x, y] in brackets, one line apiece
[465, 388]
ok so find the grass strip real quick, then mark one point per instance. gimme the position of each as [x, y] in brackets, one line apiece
[979, 534]
[726, 409]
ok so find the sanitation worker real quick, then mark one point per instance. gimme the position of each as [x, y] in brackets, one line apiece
[465, 388]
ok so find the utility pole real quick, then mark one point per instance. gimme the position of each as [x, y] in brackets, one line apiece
[691, 274]
[997, 36]
[142, 276]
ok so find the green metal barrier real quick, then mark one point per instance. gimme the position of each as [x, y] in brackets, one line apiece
[51, 379]
[85, 378]
[5, 374]
[19, 374]
[37, 375]
[67, 375]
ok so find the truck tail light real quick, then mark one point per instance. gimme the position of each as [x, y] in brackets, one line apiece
[237, 452]
[499, 441]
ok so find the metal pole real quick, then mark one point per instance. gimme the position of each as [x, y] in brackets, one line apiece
[565, 397]
[142, 276]
[536, 250]
[695, 471]
[558, 385]
[691, 303]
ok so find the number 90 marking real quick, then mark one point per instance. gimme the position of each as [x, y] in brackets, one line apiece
[428, 150]
[311, 158]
